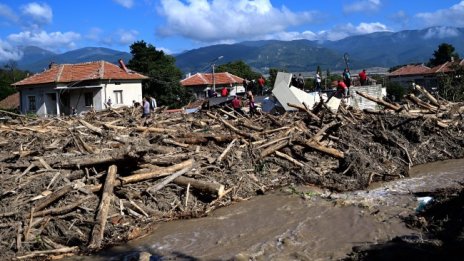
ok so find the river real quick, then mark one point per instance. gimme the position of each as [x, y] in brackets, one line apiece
[303, 223]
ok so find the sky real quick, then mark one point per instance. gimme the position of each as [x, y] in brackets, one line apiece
[175, 26]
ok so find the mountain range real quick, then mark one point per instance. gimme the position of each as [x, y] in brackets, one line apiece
[380, 49]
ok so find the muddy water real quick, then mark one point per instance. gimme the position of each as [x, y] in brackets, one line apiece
[308, 224]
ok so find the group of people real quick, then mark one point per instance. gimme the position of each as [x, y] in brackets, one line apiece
[148, 104]
[237, 104]
[344, 84]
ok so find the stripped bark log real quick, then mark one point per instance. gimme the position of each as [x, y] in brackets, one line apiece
[102, 214]
[53, 197]
[289, 158]
[303, 108]
[224, 153]
[89, 126]
[203, 186]
[379, 101]
[273, 148]
[315, 145]
[153, 129]
[157, 173]
[427, 94]
[168, 179]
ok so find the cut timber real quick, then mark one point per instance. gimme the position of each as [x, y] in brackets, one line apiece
[289, 158]
[157, 173]
[103, 209]
[153, 129]
[303, 108]
[167, 180]
[53, 197]
[233, 128]
[203, 186]
[60, 210]
[44, 253]
[274, 148]
[379, 101]
[427, 94]
[224, 153]
[330, 151]
[91, 127]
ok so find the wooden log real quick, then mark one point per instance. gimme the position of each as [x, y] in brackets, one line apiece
[154, 129]
[272, 142]
[303, 108]
[315, 145]
[379, 101]
[289, 158]
[89, 126]
[248, 125]
[173, 142]
[168, 179]
[224, 153]
[103, 209]
[203, 186]
[228, 114]
[44, 253]
[318, 136]
[157, 173]
[274, 148]
[275, 130]
[427, 95]
[60, 210]
[420, 103]
[233, 128]
[53, 197]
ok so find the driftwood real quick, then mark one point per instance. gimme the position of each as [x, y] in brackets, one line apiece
[303, 108]
[224, 153]
[168, 179]
[379, 101]
[289, 158]
[102, 214]
[202, 186]
[427, 94]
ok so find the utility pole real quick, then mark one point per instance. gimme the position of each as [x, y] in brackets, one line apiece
[213, 65]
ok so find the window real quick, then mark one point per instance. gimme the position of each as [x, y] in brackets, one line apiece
[32, 106]
[88, 99]
[118, 97]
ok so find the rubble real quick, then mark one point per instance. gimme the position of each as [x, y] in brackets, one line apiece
[78, 184]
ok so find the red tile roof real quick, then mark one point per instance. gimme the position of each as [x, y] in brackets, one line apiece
[446, 67]
[207, 79]
[66, 73]
[10, 102]
[410, 70]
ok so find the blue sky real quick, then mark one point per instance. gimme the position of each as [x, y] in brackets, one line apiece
[178, 25]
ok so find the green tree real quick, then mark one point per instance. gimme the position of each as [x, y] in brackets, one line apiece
[9, 75]
[395, 91]
[239, 68]
[272, 76]
[451, 85]
[443, 54]
[164, 76]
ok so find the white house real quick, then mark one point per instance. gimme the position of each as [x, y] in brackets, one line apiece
[82, 86]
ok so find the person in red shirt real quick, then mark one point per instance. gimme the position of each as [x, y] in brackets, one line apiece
[261, 83]
[237, 105]
[224, 92]
[363, 77]
[342, 88]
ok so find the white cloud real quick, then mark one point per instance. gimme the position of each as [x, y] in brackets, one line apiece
[125, 3]
[362, 6]
[226, 20]
[41, 14]
[94, 34]
[7, 52]
[5, 11]
[336, 33]
[454, 16]
[55, 41]
[441, 32]
[165, 50]
[126, 37]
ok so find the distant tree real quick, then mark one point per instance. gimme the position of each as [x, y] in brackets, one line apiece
[9, 75]
[395, 91]
[239, 68]
[444, 54]
[272, 76]
[451, 85]
[164, 81]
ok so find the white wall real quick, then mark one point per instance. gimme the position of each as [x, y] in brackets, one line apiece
[131, 91]
[39, 94]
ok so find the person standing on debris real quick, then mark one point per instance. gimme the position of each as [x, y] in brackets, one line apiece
[251, 103]
[300, 81]
[363, 77]
[224, 91]
[318, 82]
[245, 85]
[294, 81]
[109, 102]
[237, 105]
[347, 77]
[261, 83]
[153, 104]
[146, 108]
[342, 89]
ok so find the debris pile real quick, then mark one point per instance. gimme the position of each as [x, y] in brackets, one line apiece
[83, 183]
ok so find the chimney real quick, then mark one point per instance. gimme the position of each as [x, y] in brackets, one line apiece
[122, 65]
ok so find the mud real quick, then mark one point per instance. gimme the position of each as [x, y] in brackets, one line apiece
[308, 223]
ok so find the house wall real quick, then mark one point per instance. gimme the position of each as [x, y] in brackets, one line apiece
[424, 81]
[131, 91]
[40, 94]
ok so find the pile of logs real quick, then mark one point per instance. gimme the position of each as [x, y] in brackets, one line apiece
[82, 183]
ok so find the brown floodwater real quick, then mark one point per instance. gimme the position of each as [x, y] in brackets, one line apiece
[300, 223]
